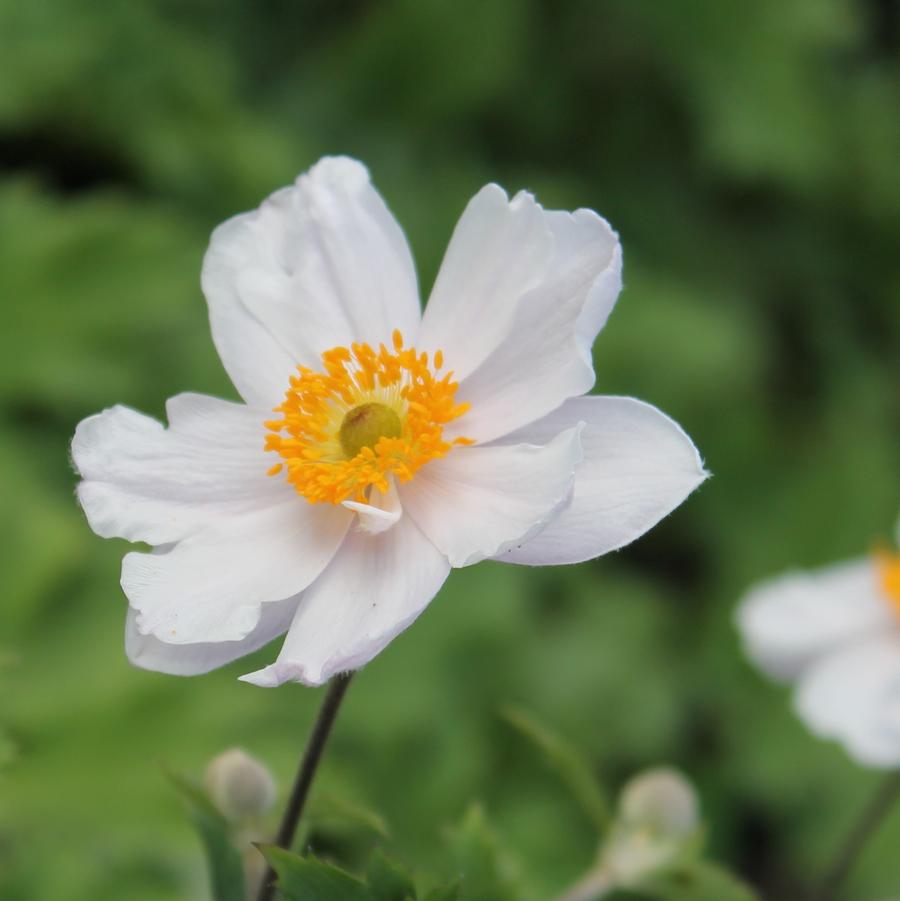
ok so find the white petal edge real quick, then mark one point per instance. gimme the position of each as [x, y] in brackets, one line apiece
[852, 695]
[146, 482]
[639, 465]
[545, 355]
[788, 622]
[381, 513]
[375, 587]
[319, 264]
[500, 249]
[480, 501]
[211, 586]
[149, 653]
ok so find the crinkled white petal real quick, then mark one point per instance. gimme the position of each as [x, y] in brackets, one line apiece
[789, 621]
[381, 512]
[479, 501]
[211, 586]
[500, 250]
[544, 357]
[150, 653]
[146, 482]
[853, 695]
[374, 588]
[319, 264]
[638, 466]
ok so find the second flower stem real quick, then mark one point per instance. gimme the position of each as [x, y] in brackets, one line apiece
[308, 765]
[886, 795]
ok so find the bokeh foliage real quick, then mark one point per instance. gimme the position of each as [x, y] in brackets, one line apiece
[748, 155]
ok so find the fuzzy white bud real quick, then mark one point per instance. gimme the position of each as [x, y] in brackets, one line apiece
[662, 801]
[239, 785]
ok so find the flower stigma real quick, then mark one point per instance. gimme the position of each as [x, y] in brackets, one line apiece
[888, 566]
[366, 416]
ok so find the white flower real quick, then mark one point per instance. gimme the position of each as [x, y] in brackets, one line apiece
[836, 633]
[339, 516]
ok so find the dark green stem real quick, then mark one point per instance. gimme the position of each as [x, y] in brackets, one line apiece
[310, 761]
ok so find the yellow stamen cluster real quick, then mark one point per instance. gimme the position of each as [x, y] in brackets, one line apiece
[889, 576]
[323, 413]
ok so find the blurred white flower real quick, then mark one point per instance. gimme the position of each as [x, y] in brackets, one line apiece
[657, 824]
[401, 444]
[836, 633]
[239, 785]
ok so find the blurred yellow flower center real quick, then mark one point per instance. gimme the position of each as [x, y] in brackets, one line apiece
[888, 565]
[367, 416]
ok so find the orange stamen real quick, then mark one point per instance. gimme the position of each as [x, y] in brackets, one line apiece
[307, 434]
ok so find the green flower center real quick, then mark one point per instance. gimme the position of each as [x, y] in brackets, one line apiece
[364, 425]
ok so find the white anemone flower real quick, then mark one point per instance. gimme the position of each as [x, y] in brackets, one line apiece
[835, 632]
[401, 444]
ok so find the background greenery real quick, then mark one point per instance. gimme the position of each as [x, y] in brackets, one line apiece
[748, 155]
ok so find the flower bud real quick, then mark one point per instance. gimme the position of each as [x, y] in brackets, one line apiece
[239, 785]
[660, 800]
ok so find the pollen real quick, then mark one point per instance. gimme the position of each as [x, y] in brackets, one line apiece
[366, 416]
[888, 565]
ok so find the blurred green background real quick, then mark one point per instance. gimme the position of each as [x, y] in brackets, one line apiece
[749, 155]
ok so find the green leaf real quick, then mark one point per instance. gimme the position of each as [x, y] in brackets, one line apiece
[308, 879]
[444, 893]
[696, 881]
[486, 873]
[388, 880]
[566, 761]
[329, 809]
[226, 869]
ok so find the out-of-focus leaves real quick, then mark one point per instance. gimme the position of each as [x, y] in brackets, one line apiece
[308, 879]
[226, 870]
[388, 880]
[335, 811]
[443, 893]
[695, 881]
[567, 762]
[486, 872]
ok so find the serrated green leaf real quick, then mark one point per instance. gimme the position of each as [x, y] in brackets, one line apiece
[696, 881]
[388, 880]
[566, 761]
[308, 879]
[226, 869]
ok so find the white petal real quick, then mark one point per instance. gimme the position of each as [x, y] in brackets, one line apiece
[374, 588]
[382, 511]
[319, 264]
[150, 653]
[545, 355]
[479, 501]
[638, 467]
[500, 249]
[853, 695]
[787, 622]
[211, 586]
[146, 482]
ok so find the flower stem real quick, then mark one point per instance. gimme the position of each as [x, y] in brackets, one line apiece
[310, 761]
[885, 796]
